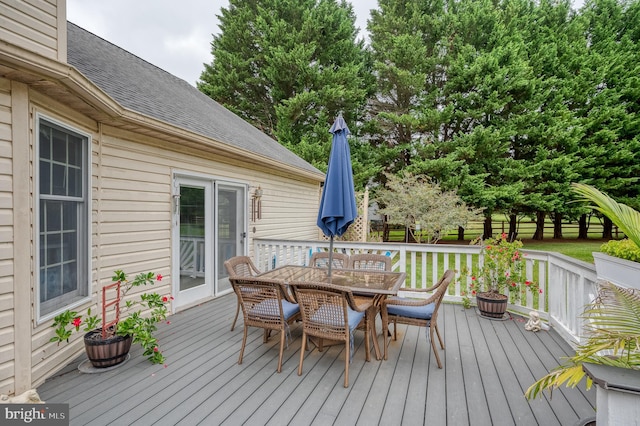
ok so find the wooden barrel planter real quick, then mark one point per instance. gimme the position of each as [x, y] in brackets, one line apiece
[491, 307]
[106, 352]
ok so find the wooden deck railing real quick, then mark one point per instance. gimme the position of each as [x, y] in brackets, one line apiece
[567, 284]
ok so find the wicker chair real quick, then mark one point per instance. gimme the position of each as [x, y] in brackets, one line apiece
[240, 266]
[264, 305]
[420, 312]
[320, 259]
[329, 312]
[378, 262]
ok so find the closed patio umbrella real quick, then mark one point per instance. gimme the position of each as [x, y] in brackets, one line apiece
[338, 203]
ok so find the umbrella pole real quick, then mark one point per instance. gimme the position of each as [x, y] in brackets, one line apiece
[330, 254]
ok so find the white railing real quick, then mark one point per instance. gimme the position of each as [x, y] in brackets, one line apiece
[567, 284]
[192, 256]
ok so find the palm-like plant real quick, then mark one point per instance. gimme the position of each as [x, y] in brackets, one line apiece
[613, 326]
[624, 217]
[613, 319]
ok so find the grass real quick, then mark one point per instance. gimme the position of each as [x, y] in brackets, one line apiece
[572, 247]
[578, 249]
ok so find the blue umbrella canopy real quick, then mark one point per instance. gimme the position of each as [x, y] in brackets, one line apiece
[338, 203]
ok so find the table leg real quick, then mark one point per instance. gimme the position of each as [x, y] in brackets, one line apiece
[377, 303]
[373, 311]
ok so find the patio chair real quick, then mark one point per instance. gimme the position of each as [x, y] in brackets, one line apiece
[240, 266]
[329, 312]
[421, 312]
[264, 305]
[378, 262]
[320, 259]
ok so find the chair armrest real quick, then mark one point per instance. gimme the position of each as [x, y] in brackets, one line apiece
[287, 293]
[408, 301]
[363, 306]
[420, 290]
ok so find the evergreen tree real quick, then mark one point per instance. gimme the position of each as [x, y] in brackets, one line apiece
[611, 144]
[289, 67]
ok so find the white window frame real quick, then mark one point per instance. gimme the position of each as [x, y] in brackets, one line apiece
[83, 249]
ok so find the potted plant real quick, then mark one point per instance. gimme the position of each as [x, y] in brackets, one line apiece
[109, 344]
[612, 322]
[500, 278]
[619, 261]
[613, 340]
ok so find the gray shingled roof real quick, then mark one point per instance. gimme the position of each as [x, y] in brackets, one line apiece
[144, 88]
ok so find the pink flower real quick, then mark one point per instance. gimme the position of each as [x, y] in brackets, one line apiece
[473, 278]
[503, 236]
[527, 282]
[473, 292]
[155, 349]
[165, 299]
[159, 277]
[540, 291]
[168, 322]
[76, 322]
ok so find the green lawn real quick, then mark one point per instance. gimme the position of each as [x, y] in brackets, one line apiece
[579, 249]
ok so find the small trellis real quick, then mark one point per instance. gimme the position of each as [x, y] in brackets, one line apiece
[359, 229]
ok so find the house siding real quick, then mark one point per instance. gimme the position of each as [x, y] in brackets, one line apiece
[132, 214]
[35, 25]
[131, 177]
[7, 334]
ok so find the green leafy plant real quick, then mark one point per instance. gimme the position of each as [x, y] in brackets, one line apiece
[142, 315]
[613, 338]
[502, 273]
[624, 217]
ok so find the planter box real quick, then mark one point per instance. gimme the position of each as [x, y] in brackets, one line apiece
[624, 273]
[618, 394]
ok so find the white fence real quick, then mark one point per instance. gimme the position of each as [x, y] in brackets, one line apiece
[567, 284]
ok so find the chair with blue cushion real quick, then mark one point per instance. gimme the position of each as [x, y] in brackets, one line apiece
[320, 259]
[422, 312]
[329, 312]
[240, 266]
[371, 262]
[265, 305]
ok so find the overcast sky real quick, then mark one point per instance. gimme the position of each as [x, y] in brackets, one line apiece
[173, 35]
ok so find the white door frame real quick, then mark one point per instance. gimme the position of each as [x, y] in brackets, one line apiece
[212, 262]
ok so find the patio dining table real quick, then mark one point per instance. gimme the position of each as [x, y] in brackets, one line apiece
[374, 283]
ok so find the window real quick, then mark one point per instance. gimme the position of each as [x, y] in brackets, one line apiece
[63, 203]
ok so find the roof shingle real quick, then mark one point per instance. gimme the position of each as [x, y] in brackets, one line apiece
[146, 89]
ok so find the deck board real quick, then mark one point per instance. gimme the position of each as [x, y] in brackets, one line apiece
[487, 367]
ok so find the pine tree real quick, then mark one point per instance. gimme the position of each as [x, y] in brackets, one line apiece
[289, 67]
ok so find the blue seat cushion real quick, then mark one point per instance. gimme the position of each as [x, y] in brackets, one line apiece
[269, 306]
[420, 312]
[328, 314]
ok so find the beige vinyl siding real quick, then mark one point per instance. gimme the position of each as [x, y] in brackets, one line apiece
[7, 300]
[132, 213]
[34, 25]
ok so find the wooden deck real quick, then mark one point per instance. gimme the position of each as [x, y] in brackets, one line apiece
[487, 366]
